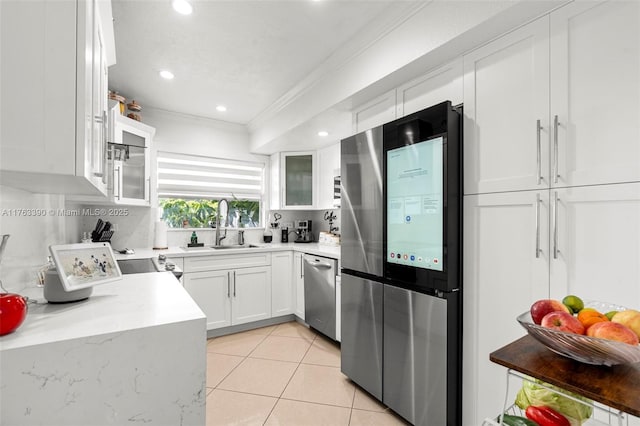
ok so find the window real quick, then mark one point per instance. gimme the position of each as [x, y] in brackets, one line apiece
[190, 188]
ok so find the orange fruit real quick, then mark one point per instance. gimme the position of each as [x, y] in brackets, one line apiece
[590, 316]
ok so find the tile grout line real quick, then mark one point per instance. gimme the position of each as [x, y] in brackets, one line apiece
[289, 381]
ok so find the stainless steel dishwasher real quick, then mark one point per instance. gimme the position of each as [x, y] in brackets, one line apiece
[320, 294]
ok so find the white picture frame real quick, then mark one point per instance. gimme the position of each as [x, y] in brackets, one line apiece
[85, 265]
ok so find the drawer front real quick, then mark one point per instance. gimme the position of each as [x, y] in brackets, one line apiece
[215, 262]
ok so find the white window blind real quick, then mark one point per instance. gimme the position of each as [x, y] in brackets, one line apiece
[192, 176]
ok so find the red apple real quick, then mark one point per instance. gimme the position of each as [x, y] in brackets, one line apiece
[613, 331]
[542, 307]
[562, 321]
[13, 310]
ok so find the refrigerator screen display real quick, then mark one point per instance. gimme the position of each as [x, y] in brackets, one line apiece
[415, 214]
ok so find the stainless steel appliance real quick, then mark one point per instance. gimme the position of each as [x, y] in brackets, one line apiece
[140, 266]
[401, 269]
[320, 294]
[303, 231]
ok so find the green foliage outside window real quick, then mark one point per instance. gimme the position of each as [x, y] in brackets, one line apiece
[181, 213]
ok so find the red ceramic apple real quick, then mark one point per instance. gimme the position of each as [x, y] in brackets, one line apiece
[13, 311]
[542, 307]
[562, 321]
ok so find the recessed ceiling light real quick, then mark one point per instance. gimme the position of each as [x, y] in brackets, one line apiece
[166, 74]
[323, 133]
[182, 6]
[221, 108]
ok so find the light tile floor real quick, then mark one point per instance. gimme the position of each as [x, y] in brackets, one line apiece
[285, 374]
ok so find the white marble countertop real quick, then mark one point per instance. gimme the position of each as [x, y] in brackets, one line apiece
[311, 248]
[137, 301]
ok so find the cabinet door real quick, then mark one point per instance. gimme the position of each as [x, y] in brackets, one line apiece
[212, 292]
[299, 174]
[329, 168]
[595, 92]
[443, 83]
[281, 283]
[596, 237]
[298, 277]
[506, 248]
[506, 112]
[250, 294]
[375, 113]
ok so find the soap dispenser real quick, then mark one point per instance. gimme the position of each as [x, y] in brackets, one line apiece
[194, 238]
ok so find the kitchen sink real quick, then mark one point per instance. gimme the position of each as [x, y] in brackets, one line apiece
[229, 247]
[233, 247]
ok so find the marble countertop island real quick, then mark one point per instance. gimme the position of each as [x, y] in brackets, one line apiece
[135, 351]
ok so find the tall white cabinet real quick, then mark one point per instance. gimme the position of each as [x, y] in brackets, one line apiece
[552, 177]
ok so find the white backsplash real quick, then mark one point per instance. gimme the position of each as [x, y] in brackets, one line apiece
[34, 222]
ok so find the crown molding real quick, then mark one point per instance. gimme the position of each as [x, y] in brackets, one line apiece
[393, 17]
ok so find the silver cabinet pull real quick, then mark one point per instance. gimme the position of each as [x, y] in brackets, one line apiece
[229, 284]
[538, 201]
[555, 226]
[556, 175]
[147, 196]
[539, 153]
[301, 267]
[116, 181]
[234, 283]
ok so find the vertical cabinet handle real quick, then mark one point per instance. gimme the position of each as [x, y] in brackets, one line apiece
[147, 196]
[538, 152]
[556, 123]
[555, 226]
[116, 181]
[538, 201]
[234, 283]
[228, 284]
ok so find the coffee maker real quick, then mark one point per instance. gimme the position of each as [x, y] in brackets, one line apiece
[303, 231]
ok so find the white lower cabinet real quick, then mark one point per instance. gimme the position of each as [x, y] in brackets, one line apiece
[230, 296]
[298, 278]
[595, 243]
[527, 245]
[250, 294]
[503, 274]
[282, 290]
[211, 291]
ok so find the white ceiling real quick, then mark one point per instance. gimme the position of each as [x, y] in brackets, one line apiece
[243, 54]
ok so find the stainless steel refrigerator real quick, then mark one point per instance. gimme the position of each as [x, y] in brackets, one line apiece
[401, 264]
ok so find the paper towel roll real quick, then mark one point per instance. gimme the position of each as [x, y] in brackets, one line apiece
[160, 236]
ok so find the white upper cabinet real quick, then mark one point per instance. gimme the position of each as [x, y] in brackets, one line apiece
[595, 92]
[442, 84]
[54, 91]
[506, 110]
[556, 103]
[374, 113]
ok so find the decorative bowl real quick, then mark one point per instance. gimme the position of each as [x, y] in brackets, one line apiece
[589, 350]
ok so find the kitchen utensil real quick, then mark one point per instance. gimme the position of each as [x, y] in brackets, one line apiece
[586, 349]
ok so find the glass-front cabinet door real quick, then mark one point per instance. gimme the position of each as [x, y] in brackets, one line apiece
[299, 174]
[130, 157]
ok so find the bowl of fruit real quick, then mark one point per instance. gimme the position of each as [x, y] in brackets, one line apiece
[591, 332]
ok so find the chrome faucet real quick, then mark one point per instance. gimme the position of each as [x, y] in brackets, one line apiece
[222, 203]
